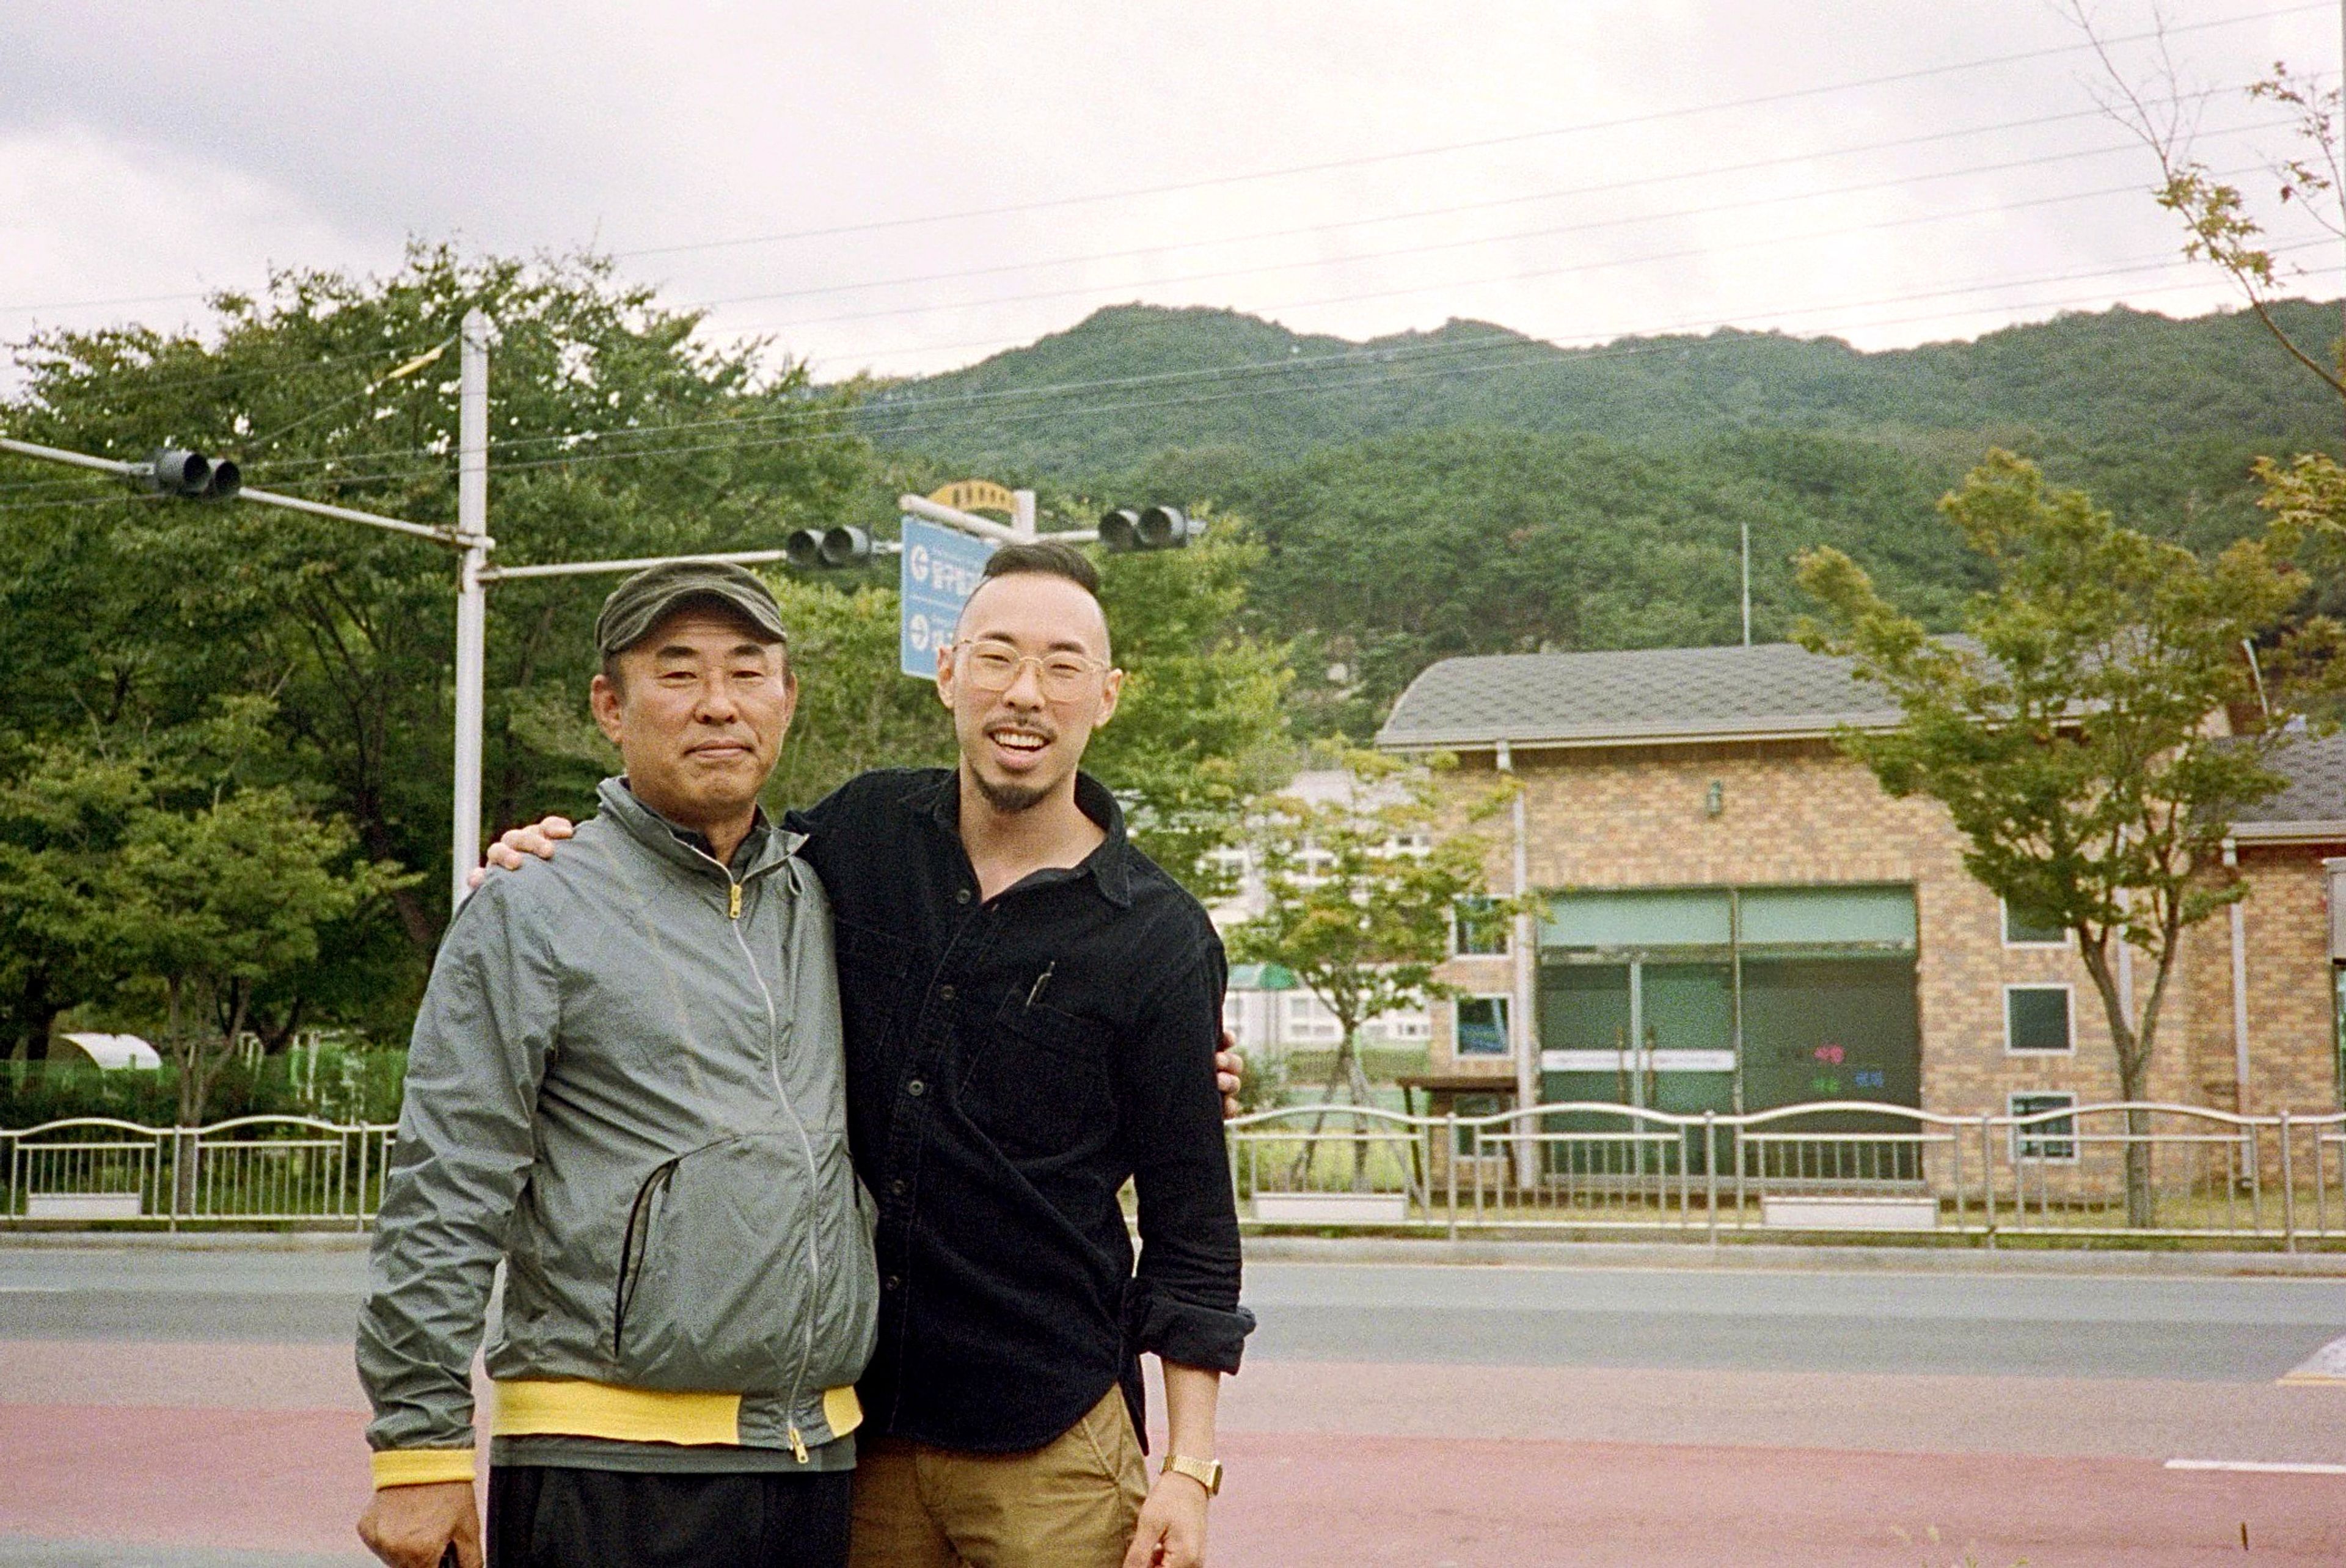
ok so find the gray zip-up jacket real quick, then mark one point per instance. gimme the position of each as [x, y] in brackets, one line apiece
[626, 1081]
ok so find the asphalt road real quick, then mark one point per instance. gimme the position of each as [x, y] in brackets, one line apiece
[165, 1408]
[2210, 1330]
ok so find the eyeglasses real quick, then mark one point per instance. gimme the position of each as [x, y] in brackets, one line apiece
[1064, 676]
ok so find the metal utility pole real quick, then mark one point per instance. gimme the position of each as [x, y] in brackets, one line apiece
[1522, 1035]
[472, 598]
[1747, 562]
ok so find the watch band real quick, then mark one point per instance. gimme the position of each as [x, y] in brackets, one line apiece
[1206, 1473]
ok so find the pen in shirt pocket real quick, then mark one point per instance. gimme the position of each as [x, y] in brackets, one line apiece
[1040, 981]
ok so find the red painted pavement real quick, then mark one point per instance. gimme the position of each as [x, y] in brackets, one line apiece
[1304, 1500]
[289, 1479]
[259, 1447]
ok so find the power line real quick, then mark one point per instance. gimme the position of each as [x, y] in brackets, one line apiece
[1535, 356]
[962, 406]
[1604, 188]
[959, 409]
[1368, 159]
[1757, 241]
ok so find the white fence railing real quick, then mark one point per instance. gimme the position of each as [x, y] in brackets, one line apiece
[255, 1170]
[2088, 1171]
[2085, 1171]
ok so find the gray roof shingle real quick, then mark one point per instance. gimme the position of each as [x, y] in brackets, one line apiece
[2315, 767]
[1641, 694]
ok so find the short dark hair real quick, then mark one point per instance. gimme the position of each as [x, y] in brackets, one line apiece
[1043, 558]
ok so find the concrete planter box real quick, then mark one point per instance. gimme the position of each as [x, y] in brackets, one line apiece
[1850, 1213]
[84, 1205]
[1331, 1207]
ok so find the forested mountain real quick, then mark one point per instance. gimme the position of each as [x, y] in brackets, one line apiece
[1472, 491]
[1133, 381]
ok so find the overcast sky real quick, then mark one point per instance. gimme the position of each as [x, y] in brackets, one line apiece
[905, 188]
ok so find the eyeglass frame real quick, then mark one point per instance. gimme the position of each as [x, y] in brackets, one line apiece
[1040, 661]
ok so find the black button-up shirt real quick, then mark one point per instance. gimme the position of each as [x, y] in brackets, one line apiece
[1010, 1063]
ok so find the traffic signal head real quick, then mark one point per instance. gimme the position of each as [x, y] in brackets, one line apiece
[1157, 528]
[176, 471]
[1165, 528]
[812, 549]
[1120, 530]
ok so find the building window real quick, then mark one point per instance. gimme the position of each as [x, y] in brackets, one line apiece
[1480, 1026]
[2038, 1018]
[1477, 929]
[2055, 1138]
[2024, 927]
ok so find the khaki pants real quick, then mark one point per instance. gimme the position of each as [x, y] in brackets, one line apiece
[1071, 1504]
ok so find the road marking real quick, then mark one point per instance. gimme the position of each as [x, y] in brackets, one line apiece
[2326, 1364]
[2257, 1467]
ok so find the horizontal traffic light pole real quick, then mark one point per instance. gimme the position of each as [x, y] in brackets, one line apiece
[235, 490]
[581, 568]
[984, 528]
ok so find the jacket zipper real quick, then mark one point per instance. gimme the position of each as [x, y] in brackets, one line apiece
[814, 1177]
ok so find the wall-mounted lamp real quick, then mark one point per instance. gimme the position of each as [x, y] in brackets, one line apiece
[1713, 800]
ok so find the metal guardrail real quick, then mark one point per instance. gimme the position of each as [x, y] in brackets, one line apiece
[291, 1170]
[2089, 1171]
[2119, 1169]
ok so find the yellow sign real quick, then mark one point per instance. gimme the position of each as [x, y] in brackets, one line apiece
[975, 495]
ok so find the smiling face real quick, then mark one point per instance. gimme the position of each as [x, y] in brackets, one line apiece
[699, 712]
[1021, 744]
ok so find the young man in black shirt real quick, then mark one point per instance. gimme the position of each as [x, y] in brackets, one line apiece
[1031, 1010]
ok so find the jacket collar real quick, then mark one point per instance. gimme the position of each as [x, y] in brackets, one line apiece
[765, 847]
[1109, 866]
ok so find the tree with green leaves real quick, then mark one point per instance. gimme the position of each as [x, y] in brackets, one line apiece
[66, 938]
[2077, 737]
[1360, 888]
[616, 432]
[224, 899]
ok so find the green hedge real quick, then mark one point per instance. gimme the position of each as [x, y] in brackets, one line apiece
[348, 1086]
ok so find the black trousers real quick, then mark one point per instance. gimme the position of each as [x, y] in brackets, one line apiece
[544, 1516]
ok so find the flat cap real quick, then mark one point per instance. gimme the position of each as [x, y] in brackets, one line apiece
[642, 602]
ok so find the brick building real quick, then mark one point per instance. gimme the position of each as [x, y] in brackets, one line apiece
[1735, 916]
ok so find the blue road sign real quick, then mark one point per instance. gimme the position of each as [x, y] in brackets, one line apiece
[935, 577]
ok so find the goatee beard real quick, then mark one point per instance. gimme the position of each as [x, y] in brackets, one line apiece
[1009, 799]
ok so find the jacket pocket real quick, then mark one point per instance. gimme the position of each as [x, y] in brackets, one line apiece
[1039, 1085]
[714, 1289]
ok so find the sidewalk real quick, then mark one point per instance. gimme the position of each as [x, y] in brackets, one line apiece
[1773, 1256]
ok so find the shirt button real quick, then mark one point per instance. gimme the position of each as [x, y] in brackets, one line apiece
[890, 1283]
[916, 1089]
[896, 1187]
[945, 992]
[962, 897]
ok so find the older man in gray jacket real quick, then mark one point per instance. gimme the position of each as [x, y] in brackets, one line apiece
[625, 1082]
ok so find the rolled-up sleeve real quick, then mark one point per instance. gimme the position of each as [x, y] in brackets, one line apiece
[1185, 1306]
[464, 1148]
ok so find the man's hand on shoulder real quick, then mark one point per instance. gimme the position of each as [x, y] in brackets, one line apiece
[413, 1526]
[517, 844]
[1229, 1066]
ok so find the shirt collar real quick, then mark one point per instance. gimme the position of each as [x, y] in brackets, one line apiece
[765, 846]
[1109, 866]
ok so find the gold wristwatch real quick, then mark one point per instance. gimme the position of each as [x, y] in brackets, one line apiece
[1206, 1473]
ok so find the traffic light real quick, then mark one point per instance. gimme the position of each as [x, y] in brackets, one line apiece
[1157, 528]
[176, 471]
[815, 549]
